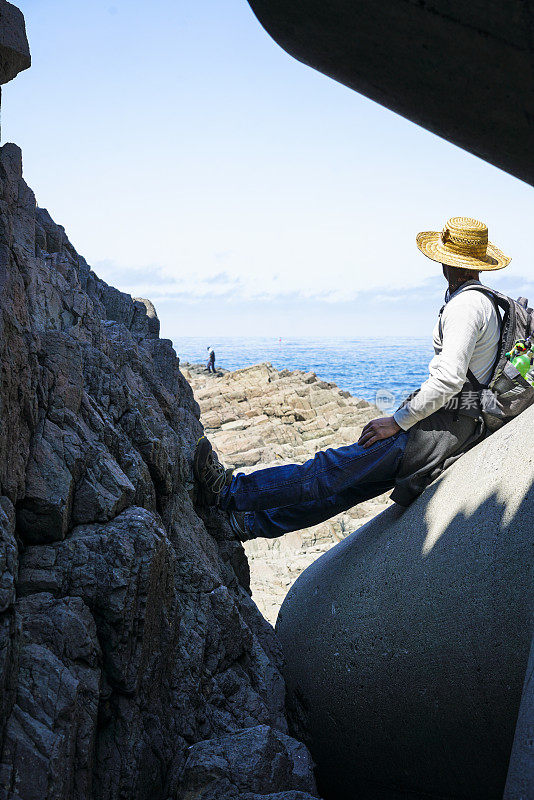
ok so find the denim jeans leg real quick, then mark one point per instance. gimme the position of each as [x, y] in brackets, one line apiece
[330, 474]
[277, 521]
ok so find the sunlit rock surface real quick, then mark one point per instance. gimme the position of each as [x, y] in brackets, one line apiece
[259, 417]
[406, 644]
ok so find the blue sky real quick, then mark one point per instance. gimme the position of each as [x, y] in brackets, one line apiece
[192, 161]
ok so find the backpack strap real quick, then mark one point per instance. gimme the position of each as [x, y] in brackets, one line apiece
[440, 326]
[499, 302]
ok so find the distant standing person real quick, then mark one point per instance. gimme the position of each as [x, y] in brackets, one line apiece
[210, 364]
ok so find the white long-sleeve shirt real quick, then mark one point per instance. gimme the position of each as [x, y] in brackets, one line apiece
[470, 338]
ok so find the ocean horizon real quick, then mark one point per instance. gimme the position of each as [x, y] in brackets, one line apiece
[384, 370]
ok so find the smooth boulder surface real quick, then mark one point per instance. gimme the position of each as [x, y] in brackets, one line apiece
[406, 644]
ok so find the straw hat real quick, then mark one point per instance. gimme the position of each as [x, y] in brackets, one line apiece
[463, 242]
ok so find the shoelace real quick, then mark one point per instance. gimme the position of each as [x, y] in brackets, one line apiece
[214, 475]
[237, 528]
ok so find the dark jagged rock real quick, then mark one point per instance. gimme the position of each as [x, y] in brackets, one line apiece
[127, 633]
[14, 48]
[50, 735]
[413, 56]
[406, 644]
[247, 765]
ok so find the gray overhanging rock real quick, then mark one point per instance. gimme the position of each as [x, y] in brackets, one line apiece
[464, 71]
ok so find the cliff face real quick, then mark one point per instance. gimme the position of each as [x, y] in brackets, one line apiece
[133, 663]
[260, 417]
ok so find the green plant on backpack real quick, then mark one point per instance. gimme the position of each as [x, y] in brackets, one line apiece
[522, 358]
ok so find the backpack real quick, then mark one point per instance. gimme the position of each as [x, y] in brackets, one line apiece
[507, 393]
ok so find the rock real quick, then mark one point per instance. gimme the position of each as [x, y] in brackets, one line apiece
[146, 318]
[278, 796]
[247, 765]
[118, 569]
[8, 554]
[406, 644]
[259, 417]
[14, 48]
[520, 780]
[127, 631]
[45, 511]
[49, 739]
[103, 493]
[9, 622]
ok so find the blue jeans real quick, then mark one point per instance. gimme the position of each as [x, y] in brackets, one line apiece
[295, 496]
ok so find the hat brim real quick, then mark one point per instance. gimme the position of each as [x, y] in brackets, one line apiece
[430, 244]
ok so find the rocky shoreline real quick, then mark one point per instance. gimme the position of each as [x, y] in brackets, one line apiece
[260, 417]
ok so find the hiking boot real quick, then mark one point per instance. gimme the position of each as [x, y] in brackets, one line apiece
[237, 524]
[209, 472]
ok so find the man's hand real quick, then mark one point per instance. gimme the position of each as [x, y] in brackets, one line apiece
[377, 429]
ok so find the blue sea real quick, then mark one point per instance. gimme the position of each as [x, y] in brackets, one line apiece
[393, 367]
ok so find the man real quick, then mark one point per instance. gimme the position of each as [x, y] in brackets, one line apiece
[210, 365]
[406, 451]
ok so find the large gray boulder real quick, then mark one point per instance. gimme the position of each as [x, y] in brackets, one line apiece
[406, 644]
